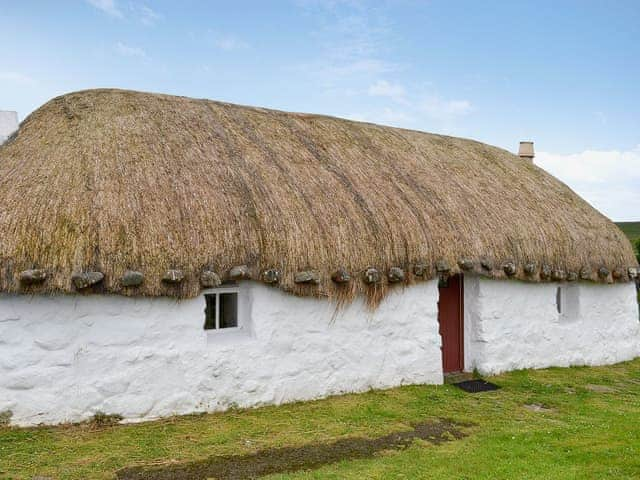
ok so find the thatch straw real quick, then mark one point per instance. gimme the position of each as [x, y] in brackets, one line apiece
[113, 181]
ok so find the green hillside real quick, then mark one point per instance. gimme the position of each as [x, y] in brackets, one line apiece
[631, 230]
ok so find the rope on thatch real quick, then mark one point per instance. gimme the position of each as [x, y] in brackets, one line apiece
[395, 275]
[618, 273]
[545, 272]
[307, 277]
[132, 278]
[603, 272]
[271, 276]
[82, 280]
[239, 272]
[442, 266]
[210, 279]
[466, 264]
[173, 276]
[33, 276]
[341, 276]
[421, 270]
[510, 269]
[572, 276]
[530, 268]
[586, 273]
[371, 276]
[487, 264]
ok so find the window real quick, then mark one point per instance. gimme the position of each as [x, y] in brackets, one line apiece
[221, 310]
[568, 302]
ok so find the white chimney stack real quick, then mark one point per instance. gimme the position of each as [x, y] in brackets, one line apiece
[8, 125]
[526, 151]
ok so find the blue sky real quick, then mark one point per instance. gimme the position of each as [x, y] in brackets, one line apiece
[562, 73]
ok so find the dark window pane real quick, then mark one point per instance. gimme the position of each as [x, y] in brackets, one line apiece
[559, 300]
[228, 310]
[210, 311]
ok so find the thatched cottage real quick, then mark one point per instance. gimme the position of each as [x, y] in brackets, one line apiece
[162, 255]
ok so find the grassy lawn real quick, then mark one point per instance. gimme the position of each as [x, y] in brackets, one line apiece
[585, 424]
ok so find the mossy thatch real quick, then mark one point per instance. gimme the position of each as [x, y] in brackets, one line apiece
[113, 181]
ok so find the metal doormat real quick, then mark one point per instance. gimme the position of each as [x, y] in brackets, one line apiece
[476, 386]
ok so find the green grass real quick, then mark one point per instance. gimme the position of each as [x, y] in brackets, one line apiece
[631, 230]
[584, 435]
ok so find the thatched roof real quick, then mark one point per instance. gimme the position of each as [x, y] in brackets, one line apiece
[109, 181]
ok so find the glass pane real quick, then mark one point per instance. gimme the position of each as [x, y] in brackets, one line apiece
[210, 311]
[559, 300]
[228, 310]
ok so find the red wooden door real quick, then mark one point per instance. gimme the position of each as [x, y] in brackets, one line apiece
[450, 317]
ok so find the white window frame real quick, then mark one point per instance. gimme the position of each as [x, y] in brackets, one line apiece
[239, 309]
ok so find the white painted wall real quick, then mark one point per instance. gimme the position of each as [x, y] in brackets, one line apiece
[511, 325]
[63, 358]
[8, 124]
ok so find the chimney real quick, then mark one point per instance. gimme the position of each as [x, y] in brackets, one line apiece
[526, 151]
[8, 125]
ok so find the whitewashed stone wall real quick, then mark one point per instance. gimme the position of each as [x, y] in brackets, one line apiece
[512, 325]
[64, 358]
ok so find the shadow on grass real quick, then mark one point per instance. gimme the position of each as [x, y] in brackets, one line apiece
[291, 459]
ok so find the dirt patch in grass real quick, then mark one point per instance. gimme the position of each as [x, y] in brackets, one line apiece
[538, 407]
[291, 459]
[600, 388]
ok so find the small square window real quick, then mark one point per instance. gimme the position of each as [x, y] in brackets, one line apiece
[221, 310]
[568, 302]
[210, 311]
[228, 311]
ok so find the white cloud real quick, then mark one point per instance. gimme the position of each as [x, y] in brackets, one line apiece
[609, 180]
[412, 110]
[396, 117]
[129, 51]
[329, 5]
[220, 40]
[355, 43]
[445, 110]
[420, 112]
[229, 42]
[107, 6]
[602, 117]
[352, 36]
[390, 116]
[352, 41]
[146, 15]
[335, 71]
[16, 77]
[382, 88]
[140, 12]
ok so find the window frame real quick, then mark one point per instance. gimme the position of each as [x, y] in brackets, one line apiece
[239, 309]
[560, 300]
[568, 302]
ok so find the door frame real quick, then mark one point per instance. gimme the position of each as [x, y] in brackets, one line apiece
[460, 309]
[461, 319]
